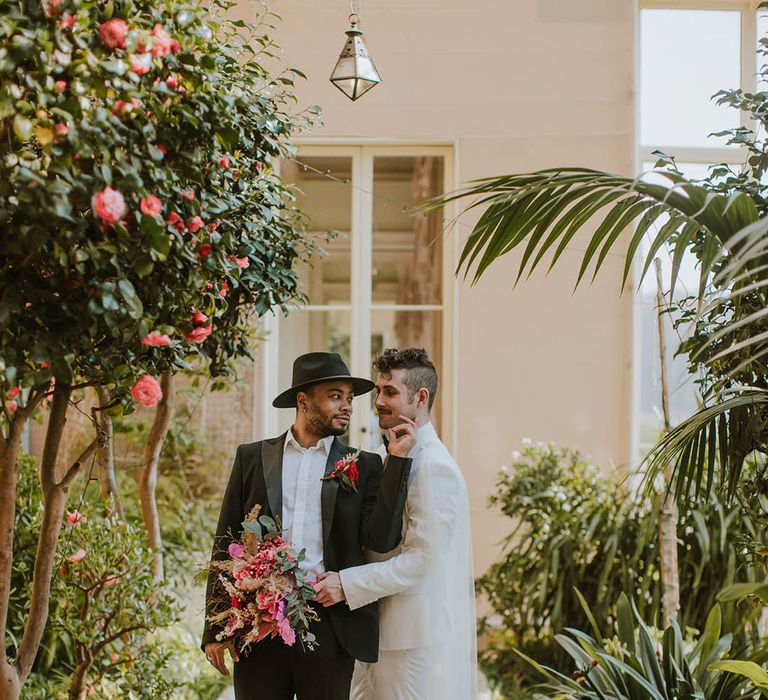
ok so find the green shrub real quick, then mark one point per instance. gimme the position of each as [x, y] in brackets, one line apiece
[575, 528]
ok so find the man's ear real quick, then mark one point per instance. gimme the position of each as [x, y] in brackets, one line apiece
[422, 397]
[301, 400]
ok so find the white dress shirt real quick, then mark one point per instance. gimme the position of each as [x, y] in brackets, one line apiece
[303, 471]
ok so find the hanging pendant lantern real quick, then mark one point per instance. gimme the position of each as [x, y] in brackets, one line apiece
[355, 73]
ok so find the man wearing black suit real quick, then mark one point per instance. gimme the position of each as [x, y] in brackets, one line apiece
[284, 475]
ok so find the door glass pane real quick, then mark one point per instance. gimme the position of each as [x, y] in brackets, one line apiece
[403, 329]
[407, 245]
[686, 57]
[310, 331]
[325, 197]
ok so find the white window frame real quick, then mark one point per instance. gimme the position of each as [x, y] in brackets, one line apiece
[362, 153]
[700, 155]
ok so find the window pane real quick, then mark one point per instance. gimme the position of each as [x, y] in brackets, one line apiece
[402, 329]
[686, 57]
[326, 198]
[762, 36]
[310, 331]
[407, 246]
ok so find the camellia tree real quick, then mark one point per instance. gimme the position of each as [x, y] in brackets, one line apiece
[140, 225]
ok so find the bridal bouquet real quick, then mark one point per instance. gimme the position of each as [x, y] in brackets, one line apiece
[264, 592]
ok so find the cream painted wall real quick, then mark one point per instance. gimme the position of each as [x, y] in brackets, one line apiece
[514, 85]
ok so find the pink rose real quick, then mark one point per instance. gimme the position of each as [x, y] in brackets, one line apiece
[60, 85]
[73, 518]
[140, 64]
[147, 391]
[236, 551]
[13, 392]
[163, 43]
[195, 224]
[156, 340]
[109, 205]
[205, 250]
[199, 317]
[79, 555]
[199, 334]
[61, 129]
[151, 205]
[113, 32]
[224, 162]
[240, 262]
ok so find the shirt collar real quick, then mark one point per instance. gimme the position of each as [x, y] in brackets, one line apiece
[324, 444]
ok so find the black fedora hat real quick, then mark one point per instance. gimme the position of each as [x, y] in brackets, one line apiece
[315, 367]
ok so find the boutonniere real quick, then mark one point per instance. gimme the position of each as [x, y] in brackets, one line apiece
[345, 472]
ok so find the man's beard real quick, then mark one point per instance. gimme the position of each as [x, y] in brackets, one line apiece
[321, 424]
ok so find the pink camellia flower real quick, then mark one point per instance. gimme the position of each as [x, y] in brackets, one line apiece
[60, 85]
[147, 391]
[156, 340]
[199, 334]
[224, 162]
[199, 317]
[161, 148]
[122, 107]
[79, 555]
[113, 32]
[61, 129]
[236, 551]
[188, 196]
[224, 288]
[195, 224]
[109, 205]
[151, 205]
[75, 517]
[175, 220]
[140, 64]
[205, 250]
[163, 42]
[12, 406]
[111, 580]
[240, 262]
[13, 392]
[67, 21]
[172, 83]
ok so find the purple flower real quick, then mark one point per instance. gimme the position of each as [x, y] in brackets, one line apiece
[236, 551]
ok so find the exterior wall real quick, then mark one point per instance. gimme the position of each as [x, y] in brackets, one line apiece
[513, 86]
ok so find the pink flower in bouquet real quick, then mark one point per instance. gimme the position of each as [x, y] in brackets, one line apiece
[156, 340]
[151, 205]
[79, 555]
[195, 224]
[113, 32]
[140, 64]
[75, 517]
[60, 85]
[286, 631]
[199, 334]
[199, 317]
[109, 205]
[236, 551]
[163, 43]
[147, 391]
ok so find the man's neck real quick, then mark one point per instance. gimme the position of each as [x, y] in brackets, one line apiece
[305, 437]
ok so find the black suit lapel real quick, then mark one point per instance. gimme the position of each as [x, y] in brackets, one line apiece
[330, 487]
[272, 462]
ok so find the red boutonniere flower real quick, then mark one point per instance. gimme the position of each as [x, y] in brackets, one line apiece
[345, 472]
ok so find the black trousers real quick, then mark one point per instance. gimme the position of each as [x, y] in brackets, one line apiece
[273, 671]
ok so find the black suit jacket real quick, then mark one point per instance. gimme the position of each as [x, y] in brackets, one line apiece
[371, 517]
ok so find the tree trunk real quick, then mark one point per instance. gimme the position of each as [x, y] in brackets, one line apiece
[148, 478]
[105, 459]
[670, 571]
[78, 689]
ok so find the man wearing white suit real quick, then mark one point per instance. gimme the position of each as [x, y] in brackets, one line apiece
[427, 645]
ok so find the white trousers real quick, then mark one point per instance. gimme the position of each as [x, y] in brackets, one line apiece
[398, 675]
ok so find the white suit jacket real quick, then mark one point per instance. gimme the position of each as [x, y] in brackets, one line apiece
[426, 585]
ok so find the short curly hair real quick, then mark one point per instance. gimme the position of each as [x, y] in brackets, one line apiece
[420, 372]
